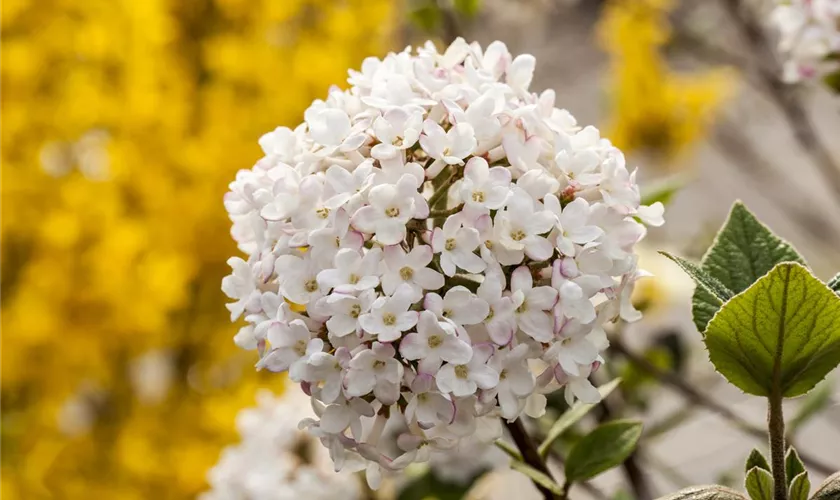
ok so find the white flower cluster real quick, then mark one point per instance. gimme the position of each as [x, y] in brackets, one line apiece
[450, 234]
[276, 460]
[809, 37]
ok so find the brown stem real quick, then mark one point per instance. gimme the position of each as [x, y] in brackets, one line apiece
[674, 382]
[783, 95]
[637, 479]
[776, 428]
[529, 452]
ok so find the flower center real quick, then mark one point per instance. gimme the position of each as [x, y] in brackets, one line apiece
[450, 244]
[353, 279]
[478, 196]
[461, 371]
[311, 286]
[566, 341]
[337, 242]
[446, 313]
[406, 273]
[503, 375]
[355, 311]
[488, 244]
[490, 314]
[517, 235]
[323, 212]
[388, 319]
[378, 364]
[300, 347]
[392, 212]
[435, 341]
[522, 308]
[422, 397]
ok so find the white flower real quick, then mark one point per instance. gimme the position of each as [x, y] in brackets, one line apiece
[331, 128]
[520, 228]
[464, 379]
[433, 343]
[500, 322]
[449, 147]
[459, 306]
[531, 305]
[397, 129]
[345, 311]
[389, 316]
[336, 217]
[267, 462]
[375, 370]
[290, 343]
[578, 387]
[810, 37]
[428, 407]
[484, 187]
[572, 224]
[516, 382]
[391, 207]
[410, 268]
[456, 244]
[241, 285]
[298, 278]
[348, 187]
[352, 273]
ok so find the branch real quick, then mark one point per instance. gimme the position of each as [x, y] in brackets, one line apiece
[677, 384]
[784, 96]
[529, 453]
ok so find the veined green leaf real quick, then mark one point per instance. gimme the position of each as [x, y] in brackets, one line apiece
[793, 465]
[604, 448]
[759, 484]
[744, 250]
[756, 459]
[702, 278]
[709, 492]
[572, 416]
[800, 487]
[536, 476]
[784, 329]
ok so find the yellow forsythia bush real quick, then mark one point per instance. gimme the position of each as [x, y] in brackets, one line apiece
[652, 107]
[123, 121]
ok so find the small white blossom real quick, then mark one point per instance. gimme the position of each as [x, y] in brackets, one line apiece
[464, 379]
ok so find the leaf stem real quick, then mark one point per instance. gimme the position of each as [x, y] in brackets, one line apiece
[530, 455]
[776, 428]
[691, 394]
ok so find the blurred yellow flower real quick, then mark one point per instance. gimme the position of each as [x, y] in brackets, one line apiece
[652, 107]
[122, 124]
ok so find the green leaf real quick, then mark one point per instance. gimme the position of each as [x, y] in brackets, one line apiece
[702, 278]
[664, 191]
[812, 405]
[756, 459]
[604, 448]
[744, 250]
[829, 489]
[793, 465]
[572, 416]
[781, 333]
[537, 476]
[468, 8]
[709, 492]
[834, 283]
[509, 449]
[759, 483]
[800, 487]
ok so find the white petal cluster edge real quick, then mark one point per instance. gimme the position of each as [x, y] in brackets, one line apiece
[458, 244]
